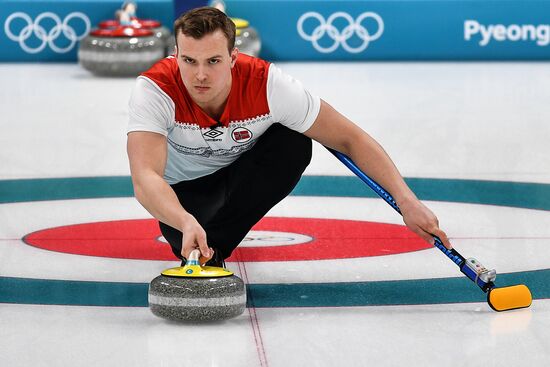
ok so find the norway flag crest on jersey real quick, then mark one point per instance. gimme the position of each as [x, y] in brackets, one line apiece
[241, 135]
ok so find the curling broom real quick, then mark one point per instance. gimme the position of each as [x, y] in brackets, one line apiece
[499, 298]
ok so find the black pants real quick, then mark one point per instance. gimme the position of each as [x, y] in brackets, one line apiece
[228, 202]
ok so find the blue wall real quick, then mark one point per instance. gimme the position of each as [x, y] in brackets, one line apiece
[181, 6]
[49, 30]
[308, 30]
[399, 29]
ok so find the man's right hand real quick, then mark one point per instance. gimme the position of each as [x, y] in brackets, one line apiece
[194, 237]
[147, 153]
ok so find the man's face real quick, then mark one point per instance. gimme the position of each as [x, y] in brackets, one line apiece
[205, 66]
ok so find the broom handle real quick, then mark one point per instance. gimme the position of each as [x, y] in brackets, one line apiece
[452, 254]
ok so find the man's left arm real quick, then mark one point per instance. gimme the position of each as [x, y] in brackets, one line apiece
[335, 131]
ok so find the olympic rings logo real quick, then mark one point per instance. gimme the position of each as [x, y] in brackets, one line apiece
[354, 27]
[46, 38]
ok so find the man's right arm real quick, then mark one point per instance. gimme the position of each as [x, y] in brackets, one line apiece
[147, 153]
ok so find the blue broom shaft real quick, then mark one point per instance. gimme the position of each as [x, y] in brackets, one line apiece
[380, 191]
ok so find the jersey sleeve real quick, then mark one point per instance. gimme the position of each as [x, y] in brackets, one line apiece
[150, 109]
[289, 102]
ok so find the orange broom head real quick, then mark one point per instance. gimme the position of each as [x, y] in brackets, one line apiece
[509, 298]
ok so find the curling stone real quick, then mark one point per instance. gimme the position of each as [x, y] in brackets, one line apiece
[161, 32]
[197, 293]
[123, 51]
[170, 46]
[247, 39]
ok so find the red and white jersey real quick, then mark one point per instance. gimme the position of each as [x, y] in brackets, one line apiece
[261, 95]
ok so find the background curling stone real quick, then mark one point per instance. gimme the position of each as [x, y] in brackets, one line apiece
[247, 39]
[124, 51]
[197, 293]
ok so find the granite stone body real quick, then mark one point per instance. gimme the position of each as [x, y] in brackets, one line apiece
[120, 56]
[248, 41]
[164, 34]
[170, 45]
[197, 299]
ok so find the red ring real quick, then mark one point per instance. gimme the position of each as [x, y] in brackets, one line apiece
[137, 239]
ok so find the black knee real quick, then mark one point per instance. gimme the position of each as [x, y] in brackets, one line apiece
[297, 148]
[282, 158]
[287, 148]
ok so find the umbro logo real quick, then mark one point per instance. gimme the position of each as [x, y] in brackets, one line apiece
[212, 133]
